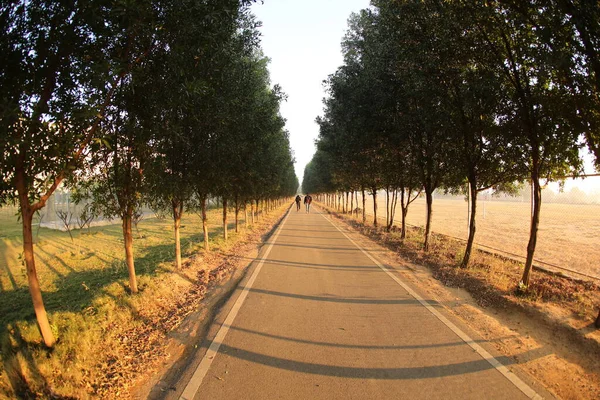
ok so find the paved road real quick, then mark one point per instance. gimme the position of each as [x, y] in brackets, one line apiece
[322, 320]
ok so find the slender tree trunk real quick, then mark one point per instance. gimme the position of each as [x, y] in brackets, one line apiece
[237, 213]
[245, 213]
[352, 204]
[393, 205]
[364, 206]
[429, 197]
[35, 291]
[387, 209]
[257, 201]
[356, 201]
[128, 240]
[374, 193]
[32, 278]
[177, 212]
[205, 224]
[225, 218]
[472, 225]
[404, 209]
[535, 221]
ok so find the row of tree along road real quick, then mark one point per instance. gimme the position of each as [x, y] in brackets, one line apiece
[131, 103]
[447, 95]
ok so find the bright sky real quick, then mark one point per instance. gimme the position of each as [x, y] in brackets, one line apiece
[302, 39]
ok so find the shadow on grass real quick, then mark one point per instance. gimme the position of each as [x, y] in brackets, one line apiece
[76, 291]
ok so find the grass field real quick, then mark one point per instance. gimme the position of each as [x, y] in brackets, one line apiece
[58, 259]
[569, 234]
[84, 284]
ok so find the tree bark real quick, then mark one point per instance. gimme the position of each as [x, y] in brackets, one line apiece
[472, 225]
[535, 221]
[257, 202]
[374, 193]
[404, 210]
[35, 291]
[177, 212]
[128, 241]
[394, 203]
[429, 197]
[364, 205]
[204, 223]
[347, 209]
[225, 218]
[387, 209]
[237, 212]
[32, 279]
[245, 214]
[352, 204]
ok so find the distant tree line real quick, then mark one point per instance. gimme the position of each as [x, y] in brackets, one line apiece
[149, 102]
[453, 94]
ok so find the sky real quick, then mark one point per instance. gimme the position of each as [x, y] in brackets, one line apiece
[302, 39]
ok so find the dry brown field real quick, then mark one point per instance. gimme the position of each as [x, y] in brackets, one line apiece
[569, 234]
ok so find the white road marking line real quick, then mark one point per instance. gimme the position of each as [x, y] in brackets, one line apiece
[194, 384]
[522, 386]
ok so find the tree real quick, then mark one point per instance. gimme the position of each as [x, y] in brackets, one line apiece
[183, 86]
[540, 113]
[63, 64]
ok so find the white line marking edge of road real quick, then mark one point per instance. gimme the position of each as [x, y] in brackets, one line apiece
[522, 386]
[194, 384]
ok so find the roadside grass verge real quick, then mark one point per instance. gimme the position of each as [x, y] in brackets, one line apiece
[106, 336]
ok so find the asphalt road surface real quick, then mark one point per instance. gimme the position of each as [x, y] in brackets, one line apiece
[319, 318]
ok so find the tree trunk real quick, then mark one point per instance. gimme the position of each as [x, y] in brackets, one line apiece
[257, 201]
[429, 197]
[393, 205]
[177, 211]
[205, 223]
[404, 210]
[32, 278]
[347, 209]
[374, 193]
[535, 221]
[472, 225]
[225, 218]
[352, 204]
[387, 209]
[245, 214]
[364, 206]
[237, 213]
[128, 241]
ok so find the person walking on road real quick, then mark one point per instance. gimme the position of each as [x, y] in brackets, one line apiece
[298, 199]
[307, 201]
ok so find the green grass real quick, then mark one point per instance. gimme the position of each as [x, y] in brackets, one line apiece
[84, 284]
